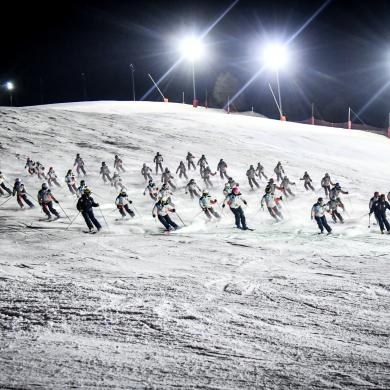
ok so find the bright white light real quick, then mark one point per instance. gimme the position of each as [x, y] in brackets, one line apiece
[192, 48]
[9, 85]
[275, 56]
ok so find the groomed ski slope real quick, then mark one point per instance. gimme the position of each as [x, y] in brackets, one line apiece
[209, 306]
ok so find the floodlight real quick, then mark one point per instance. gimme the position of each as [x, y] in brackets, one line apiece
[275, 56]
[192, 48]
[9, 85]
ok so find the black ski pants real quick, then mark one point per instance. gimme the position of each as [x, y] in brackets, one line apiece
[383, 222]
[183, 173]
[4, 187]
[210, 211]
[239, 217]
[223, 174]
[322, 223]
[80, 168]
[253, 181]
[335, 214]
[90, 219]
[124, 209]
[48, 209]
[167, 222]
[21, 197]
[159, 165]
[308, 186]
[193, 193]
[191, 164]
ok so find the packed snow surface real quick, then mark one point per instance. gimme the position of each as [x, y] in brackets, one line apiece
[209, 306]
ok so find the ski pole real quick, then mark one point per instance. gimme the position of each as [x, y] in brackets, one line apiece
[101, 212]
[9, 198]
[180, 219]
[369, 221]
[74, 219]
[135, 209]
[200, 212]
[67, 216]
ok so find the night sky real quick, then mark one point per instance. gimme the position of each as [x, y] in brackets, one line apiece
[341, 58]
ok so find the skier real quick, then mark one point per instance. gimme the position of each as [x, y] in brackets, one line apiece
[190, 161]
[286, 189]
[318, 213]
[85, 205]
[206, 173]
[333, 205]
[105, 172]
[158, 159]
[165, 193]
[46, 199]
[166, 178]
[379, 209]
[52, 178]
[118, 164]
[79, 164]
[279, 171]
[202, 163]
[146, 172]
[272, 186]
[250, 174]
[3, 186]
[122, 203]
[234, 200]
[336, 191]
[182, 170]
[161, 208]
[192, 188]
[21, 194]
[70, 180]
[116, 181]
[81, 188]
[30, 165]
[326, 182]
[152, 189]
[222, 166]
[206, 204]
[40, 170]
[307, 182]
[260, 171]
[272, 204]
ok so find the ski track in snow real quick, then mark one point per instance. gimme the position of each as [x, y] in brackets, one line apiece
[208, 306]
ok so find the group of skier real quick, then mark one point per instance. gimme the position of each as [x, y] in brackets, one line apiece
[162, 194]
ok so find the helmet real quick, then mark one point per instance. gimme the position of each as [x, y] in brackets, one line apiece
[271, 180]
[326, 174]
[285, 178]
[143, 164]
[382, 196]
[236, 190]
[337, 186]
[164, 186]
[103, 163]
[82, 182]
[205, 192]
[192, 181]
[50, 168]
[230, 179]
[123, 193]
[251, 167]
[166, 170]
[376, 193]
[320, 200]
[44, 186]
[87, 191]
[17, 180]
[116, 156]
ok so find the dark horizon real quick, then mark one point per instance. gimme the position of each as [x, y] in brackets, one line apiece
[341, 59]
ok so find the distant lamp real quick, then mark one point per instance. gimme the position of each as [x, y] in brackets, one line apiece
[9, 86]
[192, 49]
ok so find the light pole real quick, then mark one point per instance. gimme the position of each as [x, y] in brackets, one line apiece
[132, 80]
[192, 49]
[84, 82]
[9, 85]
[275, 57]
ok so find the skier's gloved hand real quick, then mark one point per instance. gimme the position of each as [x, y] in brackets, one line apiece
[97, 204]
[245, 203]
[56, 201]
[173, 210]
[130, 201]
[154, 215]
[223, 206]
[347, 192]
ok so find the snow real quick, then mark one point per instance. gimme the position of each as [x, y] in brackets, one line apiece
[209, 306]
